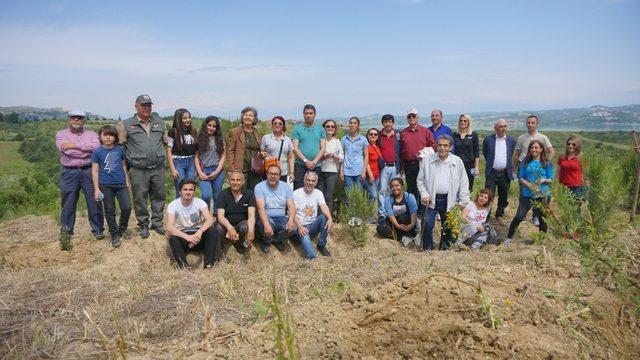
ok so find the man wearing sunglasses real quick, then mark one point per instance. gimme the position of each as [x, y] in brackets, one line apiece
[76, 145]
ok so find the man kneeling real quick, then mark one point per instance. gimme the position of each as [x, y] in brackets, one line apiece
[308, 223]
[236, 214]
[189, 223]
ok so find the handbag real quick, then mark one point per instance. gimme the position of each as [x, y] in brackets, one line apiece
[257, 164]
[274, 161]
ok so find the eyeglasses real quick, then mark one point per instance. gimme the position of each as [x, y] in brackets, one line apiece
[412, 115]
[76, 117]
[329, 127]
[373, 134]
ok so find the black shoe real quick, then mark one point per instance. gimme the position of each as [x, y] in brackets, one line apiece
[279, 245]
[381, 219]
[264, 248]
[324, 251]
[144, 231]
[125, 234]
[158, 229]
[99, 234]
[65, 240]
[115, 240]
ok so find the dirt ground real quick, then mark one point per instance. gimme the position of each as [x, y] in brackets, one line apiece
[381, 301]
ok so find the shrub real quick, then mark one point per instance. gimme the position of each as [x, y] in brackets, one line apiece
[355, 213]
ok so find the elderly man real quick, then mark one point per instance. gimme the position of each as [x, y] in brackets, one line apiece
[499, 172]
[413, 139]
[189, 223]
[236, 209]
[437, 128]
[76, 145]
[144, 137]
[274, 201]
[308, 145]
[443, 184]
[308, 222]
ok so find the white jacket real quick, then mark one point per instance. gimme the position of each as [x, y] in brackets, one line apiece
[458, 185]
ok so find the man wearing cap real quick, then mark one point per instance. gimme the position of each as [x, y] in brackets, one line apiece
[76, 144]
[144, 137]
[274, 202]
[413, 139]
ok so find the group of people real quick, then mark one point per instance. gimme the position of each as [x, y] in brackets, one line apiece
[438, 164]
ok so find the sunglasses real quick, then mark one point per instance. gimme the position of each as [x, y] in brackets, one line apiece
[373, 134]
[329, 127]
[76, 117]
[412, 115]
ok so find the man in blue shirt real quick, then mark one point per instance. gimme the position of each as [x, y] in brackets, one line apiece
[308, 146]
[274, 201]
[438, 128]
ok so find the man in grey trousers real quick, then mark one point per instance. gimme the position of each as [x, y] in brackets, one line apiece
[144, 138]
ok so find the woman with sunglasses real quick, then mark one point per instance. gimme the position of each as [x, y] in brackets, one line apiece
[467, 147]
[278, 145]
[372, 183]
[331, 161]
[570, 167]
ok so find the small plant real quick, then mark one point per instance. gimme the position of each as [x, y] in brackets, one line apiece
[454, 222]
[487, 308]
[355, 214]
[286, 344]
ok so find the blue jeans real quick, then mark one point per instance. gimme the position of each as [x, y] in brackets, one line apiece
[315, 228]
[430, 222]
[372, 188]
[209, 189]
[386, 174]
[186, 168]
[71, 181]
[350, 181]
[278, 224]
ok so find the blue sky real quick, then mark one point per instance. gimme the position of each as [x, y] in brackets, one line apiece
[346, 57]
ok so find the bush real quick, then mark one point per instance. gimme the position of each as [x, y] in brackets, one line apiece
[355, 214]
[18, 137]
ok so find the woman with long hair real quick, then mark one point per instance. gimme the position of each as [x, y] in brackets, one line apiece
[474, 217]
[356, 155]
[535, 175]
[278, 145]
[331, 161]
[372, 182]
[244, 143]
[570, 167]
[181, 148]
[401, 214]
[467, 147]
[210, 161]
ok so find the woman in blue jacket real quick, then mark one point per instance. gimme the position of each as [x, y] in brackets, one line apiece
[401, 210]
[535, 174]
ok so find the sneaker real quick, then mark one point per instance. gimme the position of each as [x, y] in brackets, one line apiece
[535, 221]
[125, 234]
[416, 240]
[65, 240]
[144, 231]
[506, 242]
[324, 251]
[99, 235]
[372, 220]
[381, 219]
[279, 245]
[115, 241]
[265, 248]
[158, 229]
[406, 241]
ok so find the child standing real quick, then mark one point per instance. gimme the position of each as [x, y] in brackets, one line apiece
[181, 148]
[111, 182]
[475, 217]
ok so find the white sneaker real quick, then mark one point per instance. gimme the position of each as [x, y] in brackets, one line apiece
[506, 242]
[535, 221]
[416, 239]
[406, 241]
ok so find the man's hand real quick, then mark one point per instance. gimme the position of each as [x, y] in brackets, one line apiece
[425, 200]
[290, 226]
[96, 194]
[329, 225]
[363, 176]
[310, 165]
[174, 174]
[232, 234]
[67, 145]
[302, 231]
[268, 230]
[250, 237]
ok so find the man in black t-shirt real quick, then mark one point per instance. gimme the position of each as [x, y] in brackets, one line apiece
[236, 211]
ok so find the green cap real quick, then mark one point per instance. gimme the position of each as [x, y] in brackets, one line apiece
[143, 99]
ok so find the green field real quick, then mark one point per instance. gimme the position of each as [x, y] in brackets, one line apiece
[12, 165]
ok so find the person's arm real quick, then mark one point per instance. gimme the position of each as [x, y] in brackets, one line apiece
[231, 149]
[296, 150]
[171, 228]
[122, 133]
[551, 152]
[291, 209]
[290, 162]
[323, 148]
[232, 234]
[463, 189]
[172, 167]
[251, 224]
[95, 171]
[476, 153]
[327, 213]
[369, 173]
[365, 154]
[302, 230]
[485, 148]
[127, 182]
[262, 212]
[421, 182]
[208, 220]
[516, 161]
[199, 170]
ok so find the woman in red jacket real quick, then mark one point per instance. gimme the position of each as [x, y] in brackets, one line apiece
[570, 168]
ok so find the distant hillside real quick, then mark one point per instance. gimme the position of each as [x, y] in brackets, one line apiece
[594, 118]
[30, 113]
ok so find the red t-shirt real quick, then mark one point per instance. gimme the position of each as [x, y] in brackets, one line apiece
[570, 171]
[414, 140]
[374, 155]
[387, 147]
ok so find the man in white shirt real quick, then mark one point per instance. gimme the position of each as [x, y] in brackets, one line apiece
[308, 223]
[499, 172]
[443, 184]
[189, 223]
